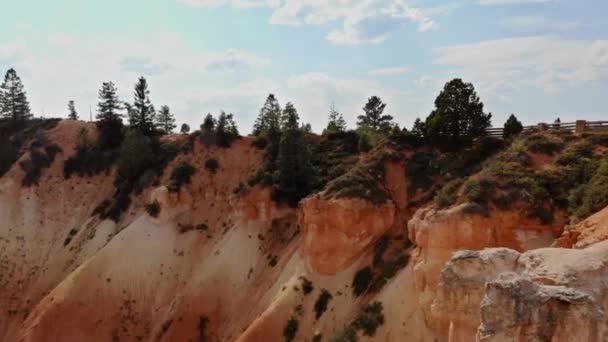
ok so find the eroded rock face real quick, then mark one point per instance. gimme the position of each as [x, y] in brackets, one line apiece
[592, 230]
[338, 230]
[440, 233]
[549, 294]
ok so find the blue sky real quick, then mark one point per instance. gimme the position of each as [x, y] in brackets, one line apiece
[538, 59]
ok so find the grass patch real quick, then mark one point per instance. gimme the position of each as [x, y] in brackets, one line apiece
[544, 143]
[363, 181]
[448, 194]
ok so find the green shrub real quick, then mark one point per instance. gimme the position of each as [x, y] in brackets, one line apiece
[153, 208]
[347, 334]
[379, 249]
[362, 181]
[478, 191]
[42, 155]
[291, 329]
[181, 174]
[389, 269]
[321, 303]
[420, 170]
[9, 153]
[307, 286]
[544, 143]
[89, 159]
[448, 194]
[212, 165]
[260, 143]
[369, 319]
[362, 280]
[590, 197]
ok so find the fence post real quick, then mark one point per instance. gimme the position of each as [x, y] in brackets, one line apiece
[581, 126]
[542, 126]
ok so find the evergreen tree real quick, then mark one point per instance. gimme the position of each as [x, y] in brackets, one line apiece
[269, 118]
[185, 129]
[458, 117]
[208, 124]
[294, 176]
[336, 121]
[512, 127]
[130, 113]
[289, 115]
[13, 99]
[306, 128]
[418, 127]
[142, 107]
[373, 118]
[226, 130]
[73, 115]
[109, 119]
[165, 120]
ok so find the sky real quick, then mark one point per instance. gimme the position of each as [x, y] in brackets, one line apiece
[539, 59]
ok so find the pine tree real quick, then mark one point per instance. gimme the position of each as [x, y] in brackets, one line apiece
[512, 127]
[185, 129]
[73, 115]
[13, 99]
[294, 176]
[208, 124]
[336, 123]
[373, 118]
[109, 119]
[458, 117]
[289, 115]
[226, 130]
[269, 118]
[165, 120]
[418, 127]
[142, 107]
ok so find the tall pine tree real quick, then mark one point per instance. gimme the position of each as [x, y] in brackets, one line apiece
[294, 176]
[269, 118]
[373, 118]
[72, 115]
[143, 111]
[13, 99]
[336, 121]
[458, 118]
[165, 121]
[109, 118]
[226, 130]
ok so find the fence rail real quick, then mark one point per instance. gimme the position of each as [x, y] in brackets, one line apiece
[579, 126]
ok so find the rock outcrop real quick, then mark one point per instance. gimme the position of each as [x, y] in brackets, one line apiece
[440, 233]
[337, 231]
[548, 294]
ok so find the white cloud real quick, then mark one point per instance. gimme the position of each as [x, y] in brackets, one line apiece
[388, 71]
[67, 67]
[233, 60]
[350, 22]
[538, 23]
[233, 3]
[511, 2]
[359, 22]
[546, 63]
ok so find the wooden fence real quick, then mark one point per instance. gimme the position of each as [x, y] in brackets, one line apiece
[579, 126]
